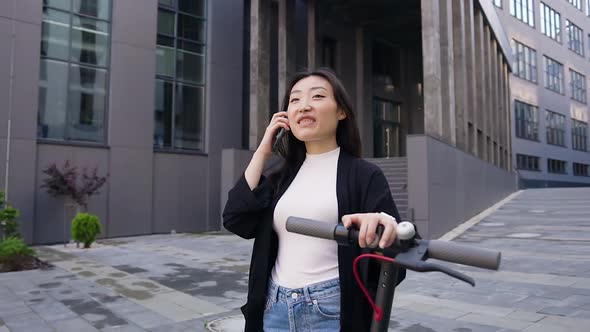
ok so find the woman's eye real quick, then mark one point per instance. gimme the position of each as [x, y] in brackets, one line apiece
[318, 96]
[294, 100]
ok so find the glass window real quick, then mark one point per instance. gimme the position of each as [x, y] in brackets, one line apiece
[53, 99]
[553, 75]
[166, 22]
[526, 121]
[59, 4]
[88, 103]
[498, 3]
[578, 86]
[90, 41]
[528, 163]
[163, 117]
[193, 7]
[73, 75]
[55, 34]
[95, 8]
[556, 166]
[555, 125]
[576, 3]
[526, 62]
[550, 22]
[575, 38]
[580, 169]
[180, 75]
[579, 135]
[523, 10]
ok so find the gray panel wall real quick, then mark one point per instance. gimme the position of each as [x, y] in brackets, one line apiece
[180, 192]
[131, 116]
[224, 101]
[25, 66]
[233, 165]
[448, 186]
[49, 216]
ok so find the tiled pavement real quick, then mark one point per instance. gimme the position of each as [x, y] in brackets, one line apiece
[182, 282]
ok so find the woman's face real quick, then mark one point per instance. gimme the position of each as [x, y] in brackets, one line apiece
[313, 112]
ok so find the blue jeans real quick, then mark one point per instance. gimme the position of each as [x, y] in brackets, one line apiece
[312, 308]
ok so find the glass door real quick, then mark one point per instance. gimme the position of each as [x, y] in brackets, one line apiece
[386, 130]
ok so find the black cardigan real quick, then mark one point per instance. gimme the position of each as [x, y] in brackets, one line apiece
[360, 187]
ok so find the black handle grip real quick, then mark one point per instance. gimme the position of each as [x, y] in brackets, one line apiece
[464, 254]
[311, 227]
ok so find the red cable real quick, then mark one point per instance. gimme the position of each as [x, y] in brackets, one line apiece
[378, 311]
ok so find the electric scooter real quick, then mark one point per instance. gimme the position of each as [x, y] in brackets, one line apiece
[407, 251]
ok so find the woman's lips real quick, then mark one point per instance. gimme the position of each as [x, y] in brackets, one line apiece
[306, 122]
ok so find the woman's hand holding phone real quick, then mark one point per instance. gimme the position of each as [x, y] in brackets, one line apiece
[253, 172]
[278, 121]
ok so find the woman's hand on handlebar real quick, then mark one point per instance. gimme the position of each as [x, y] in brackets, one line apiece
[367, 224]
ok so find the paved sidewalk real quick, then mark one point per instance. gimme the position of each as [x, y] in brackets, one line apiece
[183, 282]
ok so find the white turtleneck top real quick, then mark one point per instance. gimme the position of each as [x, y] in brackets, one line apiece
[304, 260]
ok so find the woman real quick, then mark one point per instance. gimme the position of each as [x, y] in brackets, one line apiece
[296, 282]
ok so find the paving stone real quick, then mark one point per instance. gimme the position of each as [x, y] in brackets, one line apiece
[52, 310]
[27, 322]
[147, 319]
[73, 325]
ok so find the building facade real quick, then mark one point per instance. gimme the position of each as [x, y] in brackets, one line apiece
[551, 45]
[170, 98]
[430, 84]
[146, 90]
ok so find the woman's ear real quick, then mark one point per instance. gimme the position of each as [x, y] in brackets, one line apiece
[341, 114]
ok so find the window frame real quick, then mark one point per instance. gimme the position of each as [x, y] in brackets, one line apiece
[528, 162]
[556, 166]
[575, 36]
[553, 76]
[518, 8]
[521, 53]
[576, 88]
[555, 128]
[579, 135]
[179, 82]
[103, 140]
[522, 120]
[552, 24]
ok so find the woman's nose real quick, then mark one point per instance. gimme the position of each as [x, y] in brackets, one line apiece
[305, 108]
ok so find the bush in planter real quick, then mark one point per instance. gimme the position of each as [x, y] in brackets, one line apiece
[14, 253]
[85, 228]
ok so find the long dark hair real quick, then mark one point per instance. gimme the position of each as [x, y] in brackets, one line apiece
[348, 139]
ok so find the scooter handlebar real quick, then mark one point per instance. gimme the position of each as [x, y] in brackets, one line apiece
[437, 249]
[464, 254]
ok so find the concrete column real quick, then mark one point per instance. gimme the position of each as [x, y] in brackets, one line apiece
[495, 101]
[481, 85]
[487, 125]
[470, 83]
[259, 70]
[460, 67]
[431, 68]
[502, 110]
[286, 44]
[447, 62]
[508, 117]
[311, 33]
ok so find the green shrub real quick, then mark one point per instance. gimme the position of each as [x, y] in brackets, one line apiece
[85, 228]
[13, 250]
[9, 226]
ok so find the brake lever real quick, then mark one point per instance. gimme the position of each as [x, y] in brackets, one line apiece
[413, 259]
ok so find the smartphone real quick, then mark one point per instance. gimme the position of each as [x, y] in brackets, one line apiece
[279, 136]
